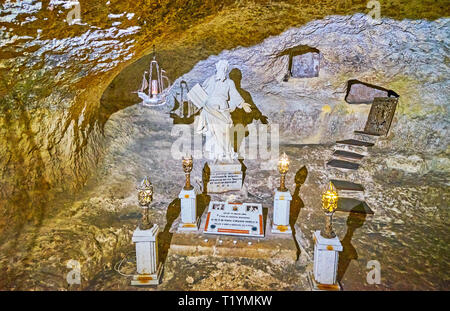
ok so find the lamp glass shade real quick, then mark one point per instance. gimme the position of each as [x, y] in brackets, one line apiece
[330, 199]
[187, 163]
[283, 164]
[145, 192]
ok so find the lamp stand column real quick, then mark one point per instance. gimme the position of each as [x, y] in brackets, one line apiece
[189, 220]
[326, 258]
[148, 266]
[281, 212]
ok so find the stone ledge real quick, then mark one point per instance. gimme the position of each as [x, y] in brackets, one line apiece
[192, 244]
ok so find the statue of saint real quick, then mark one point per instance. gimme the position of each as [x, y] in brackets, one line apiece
[215, 119]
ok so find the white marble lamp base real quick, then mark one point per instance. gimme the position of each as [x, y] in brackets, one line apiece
[281, 211]
[189, 220]
[326, 259]
[148, 267]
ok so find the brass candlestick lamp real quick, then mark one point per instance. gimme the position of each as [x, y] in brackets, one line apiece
[329, 205]
[187, 168]
[283, 168]
[145, 198]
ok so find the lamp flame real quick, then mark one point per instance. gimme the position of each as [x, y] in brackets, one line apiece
[283, 167]
[283, 164]
[154, 87]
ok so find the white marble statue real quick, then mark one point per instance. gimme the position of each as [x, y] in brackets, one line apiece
[215, 119]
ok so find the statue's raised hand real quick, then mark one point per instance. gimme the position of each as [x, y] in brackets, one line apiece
[247, 107]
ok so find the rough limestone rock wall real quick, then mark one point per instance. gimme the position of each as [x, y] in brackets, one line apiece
[54, 69]
[406, 56]
[51, 140]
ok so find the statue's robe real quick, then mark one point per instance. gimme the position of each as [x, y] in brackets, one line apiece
[215, 119]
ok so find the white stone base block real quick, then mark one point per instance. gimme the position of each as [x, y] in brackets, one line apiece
[225, 177]
[189, 219]
[281, 229]
[148, 267]
[186, 227]
[148, 279]
[317, 287]
[281, 212]
[326, 258]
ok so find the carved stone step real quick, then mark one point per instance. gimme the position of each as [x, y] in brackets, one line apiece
[347, 155]
[346, 185]
[353, 145]
[367, 133]
[340, 164]
[348, 189]
[353, 205]
[366, 136]
[355, 142]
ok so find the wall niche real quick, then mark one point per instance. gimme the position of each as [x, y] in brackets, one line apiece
[304, 62]
[364, 93]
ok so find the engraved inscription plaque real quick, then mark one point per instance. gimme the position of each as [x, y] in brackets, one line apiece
[225, 177]
[381, 115]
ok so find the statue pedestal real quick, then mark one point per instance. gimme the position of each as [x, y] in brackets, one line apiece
[326, 257]
[281, 212]
[189, 220]
[225, 177]
[148, 266]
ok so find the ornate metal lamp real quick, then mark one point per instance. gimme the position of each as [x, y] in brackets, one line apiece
[148, 266]
[281, 201]
[188, 200]
[329, 205]
[283, 168]
[145, 198]
[187, 168]
[156, 90]
[187, 109]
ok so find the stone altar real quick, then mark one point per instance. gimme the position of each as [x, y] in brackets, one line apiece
[198, 243]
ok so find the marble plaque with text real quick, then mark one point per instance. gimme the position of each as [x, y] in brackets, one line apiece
[245, 219]
[225, 177]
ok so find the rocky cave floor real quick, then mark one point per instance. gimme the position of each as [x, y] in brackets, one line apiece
[407, 235]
